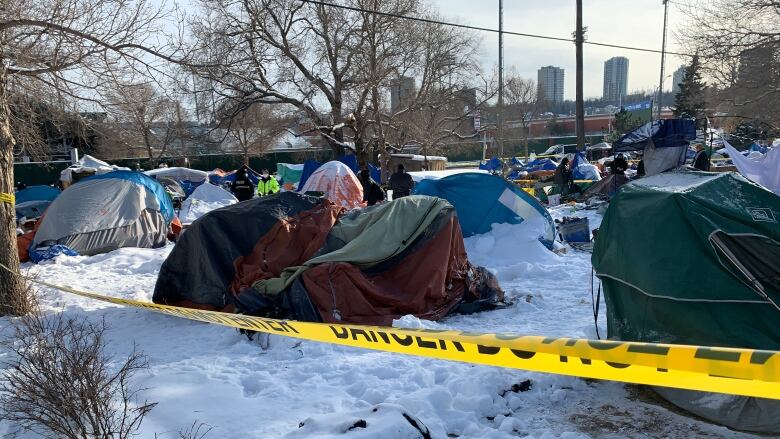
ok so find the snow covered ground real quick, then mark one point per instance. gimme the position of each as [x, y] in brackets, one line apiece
[250, 389]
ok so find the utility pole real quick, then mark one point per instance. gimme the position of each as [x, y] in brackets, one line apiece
[663, 57]
[500, 111]
[580, 109]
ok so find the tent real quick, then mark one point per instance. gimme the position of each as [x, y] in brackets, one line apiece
[765, 171]
[606, 187]
[204, 199]
[188, 179]
[218, 177]
[694, 258]
[173, 188]
[339, 184]
[31, 210]
[107, 212]
[87, 166]
[289, 173]
[37, 193]
[664, 142]
[483, 200]
[294, 256]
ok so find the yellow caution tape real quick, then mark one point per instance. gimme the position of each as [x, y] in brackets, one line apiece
[745, 372]
[7, 198]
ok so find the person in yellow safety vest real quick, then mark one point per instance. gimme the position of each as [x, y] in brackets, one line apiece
[267, 184]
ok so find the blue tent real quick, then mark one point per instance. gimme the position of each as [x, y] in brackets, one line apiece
[492, 165]
[582, 169]
[164, 201]
[37, 193]
[482, 200]
[309, 166]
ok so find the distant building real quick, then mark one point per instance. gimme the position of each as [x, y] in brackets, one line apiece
[400, 93]
[677, 79]
[615, 79]
[550, 80]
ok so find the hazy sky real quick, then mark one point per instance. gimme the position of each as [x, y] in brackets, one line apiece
[636, 23]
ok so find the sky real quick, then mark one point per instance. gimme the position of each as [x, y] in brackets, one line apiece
[637, 23]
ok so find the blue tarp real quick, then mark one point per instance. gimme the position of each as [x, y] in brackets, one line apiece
[166, 205]
[46, 253]
[666, 133]
[582, 169]
[37, 193]
[376, 172]
[309, 166]
[482, 200]
[540, 165]
[351, 161]
[494, 164]
[225, 180]
[31, 209]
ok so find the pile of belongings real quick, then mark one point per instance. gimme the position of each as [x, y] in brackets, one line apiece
[305, 258]
[87, 166]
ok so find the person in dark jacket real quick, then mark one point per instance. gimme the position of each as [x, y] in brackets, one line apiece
[242, 186]
[701, 161]
[619, 165]
[563, 177]
[401, 183]
[372, 193]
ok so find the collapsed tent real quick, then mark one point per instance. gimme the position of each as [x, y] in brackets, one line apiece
[107, 212]
[339, 184]
[37, 193]
[483, 200]
[765, 171]
[664, 142]
[605, 188]
[203, 200]
[293, 256]
[188, 179]
[694, 258]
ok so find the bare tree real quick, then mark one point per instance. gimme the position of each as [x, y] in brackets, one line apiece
[62, 49]
[155, 121]
[521, 100]
[738, 44]
[256, 129]
[60, 383]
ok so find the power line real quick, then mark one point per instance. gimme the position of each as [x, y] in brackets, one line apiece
[483, 29]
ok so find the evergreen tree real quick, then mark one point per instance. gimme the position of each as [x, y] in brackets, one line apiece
[624, 122]
[689, 101]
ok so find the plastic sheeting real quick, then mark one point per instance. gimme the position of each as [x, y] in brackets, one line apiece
[339, 184]
[765, 171]
[179, 174]
[203, 200]
[89, 164]
[583, 170]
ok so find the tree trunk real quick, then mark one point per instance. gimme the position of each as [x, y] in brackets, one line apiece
[12, 293]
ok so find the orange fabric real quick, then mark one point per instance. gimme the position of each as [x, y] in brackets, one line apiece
[290, 242]
[427, 283]
[338, 182]
[23, 244]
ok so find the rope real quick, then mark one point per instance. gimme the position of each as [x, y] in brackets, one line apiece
[7, 198]
[595, 303]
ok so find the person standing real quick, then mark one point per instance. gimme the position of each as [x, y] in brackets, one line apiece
[563, 177]
[267, 184]
[701, 161]
[401, 183]
[372, 193]
[619, 165]
[242, 186]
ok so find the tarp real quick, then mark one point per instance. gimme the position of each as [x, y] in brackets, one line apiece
[221, 178]
[87, 163]
[204, 199]
[339, 184]
[583, 170]
[37, 193]
[419, 176]
[492, 165]
[664, 142]
[179, 174]
[482, 200]
[289, 173]
[107, 212]
[765, 171]
[309, 166]
[31, 209]
[292, 256]
[540, 165]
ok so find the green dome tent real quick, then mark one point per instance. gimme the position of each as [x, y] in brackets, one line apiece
[694, 258]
